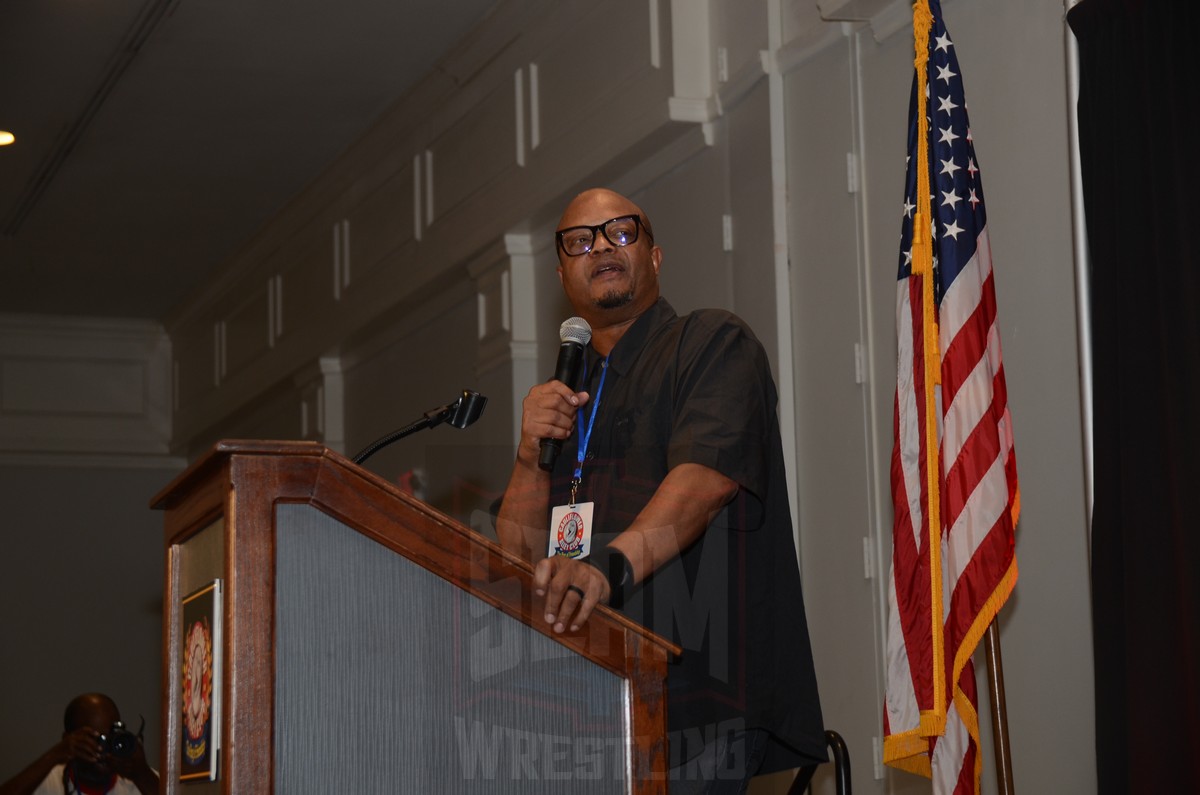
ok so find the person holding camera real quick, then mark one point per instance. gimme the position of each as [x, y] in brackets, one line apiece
[96, 756]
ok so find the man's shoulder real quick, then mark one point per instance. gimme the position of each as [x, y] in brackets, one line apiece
[713, 316]
[713, 324]
[698, 335]
[662, 316]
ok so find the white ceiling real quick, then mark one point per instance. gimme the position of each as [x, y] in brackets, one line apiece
[154, 137]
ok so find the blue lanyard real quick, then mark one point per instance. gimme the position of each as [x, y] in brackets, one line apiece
[586, 436]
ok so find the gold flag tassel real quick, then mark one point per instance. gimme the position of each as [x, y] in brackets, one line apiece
[922, 265]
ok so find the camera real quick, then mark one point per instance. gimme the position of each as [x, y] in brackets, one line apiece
[119, 741]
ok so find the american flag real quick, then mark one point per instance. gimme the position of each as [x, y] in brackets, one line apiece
[954, 478]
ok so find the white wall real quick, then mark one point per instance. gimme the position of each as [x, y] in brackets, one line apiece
[837, 500]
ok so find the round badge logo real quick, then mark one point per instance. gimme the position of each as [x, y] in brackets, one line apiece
[570, 535]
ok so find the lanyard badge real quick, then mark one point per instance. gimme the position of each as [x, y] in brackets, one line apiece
[571, 524]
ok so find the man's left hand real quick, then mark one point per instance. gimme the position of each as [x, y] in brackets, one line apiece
[572, 589]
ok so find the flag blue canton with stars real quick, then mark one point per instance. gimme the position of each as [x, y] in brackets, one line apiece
[956, 190]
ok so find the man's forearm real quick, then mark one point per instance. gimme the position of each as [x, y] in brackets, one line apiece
[521, 522]
[678, 514]
[675, 517]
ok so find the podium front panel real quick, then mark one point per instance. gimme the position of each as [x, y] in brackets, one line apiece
[390, 679]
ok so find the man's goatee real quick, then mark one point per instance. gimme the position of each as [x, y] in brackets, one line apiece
[614, 299]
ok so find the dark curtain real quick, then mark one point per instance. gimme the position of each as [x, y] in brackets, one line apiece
[1140, 150]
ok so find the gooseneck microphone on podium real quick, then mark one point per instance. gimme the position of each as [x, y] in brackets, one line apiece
[459, 414]
[575, 334]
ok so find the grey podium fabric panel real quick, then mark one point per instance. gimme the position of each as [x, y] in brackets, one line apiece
[390, 679]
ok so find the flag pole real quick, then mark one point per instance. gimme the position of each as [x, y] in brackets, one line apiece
[995, 669]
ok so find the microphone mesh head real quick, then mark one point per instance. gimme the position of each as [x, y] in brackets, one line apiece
[575, 329]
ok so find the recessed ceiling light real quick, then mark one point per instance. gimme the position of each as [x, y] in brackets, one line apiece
[6, 138]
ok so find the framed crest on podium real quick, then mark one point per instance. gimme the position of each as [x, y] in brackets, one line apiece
[200, 655]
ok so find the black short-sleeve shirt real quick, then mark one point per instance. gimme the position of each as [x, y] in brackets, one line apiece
[699, 389]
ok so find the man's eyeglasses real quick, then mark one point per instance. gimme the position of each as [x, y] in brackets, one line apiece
[578, 240]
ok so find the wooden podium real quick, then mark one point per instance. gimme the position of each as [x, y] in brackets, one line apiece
[370, 644]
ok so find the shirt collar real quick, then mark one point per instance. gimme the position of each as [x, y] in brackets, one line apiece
[625, 353]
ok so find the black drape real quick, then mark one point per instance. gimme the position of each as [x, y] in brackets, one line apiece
[1140, 150]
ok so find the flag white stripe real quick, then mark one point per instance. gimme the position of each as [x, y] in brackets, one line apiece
[964, 292]
[1006, 433]
[984, 507]
[904, 713]
[901, 700]
[950, 751]
[909, 436]
[972, 402]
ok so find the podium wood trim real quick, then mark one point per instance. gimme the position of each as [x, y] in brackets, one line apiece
[241, 482]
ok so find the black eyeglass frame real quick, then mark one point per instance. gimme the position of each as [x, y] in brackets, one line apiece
[638, 226]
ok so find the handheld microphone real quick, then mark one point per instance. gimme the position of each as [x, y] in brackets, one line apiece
[575, 333]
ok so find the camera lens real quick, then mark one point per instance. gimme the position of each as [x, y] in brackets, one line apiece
[119, 741]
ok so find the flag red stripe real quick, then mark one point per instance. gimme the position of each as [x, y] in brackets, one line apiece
[980, 451]
[910, 565]
[968, 783]
[970, 344]
[977, 583]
